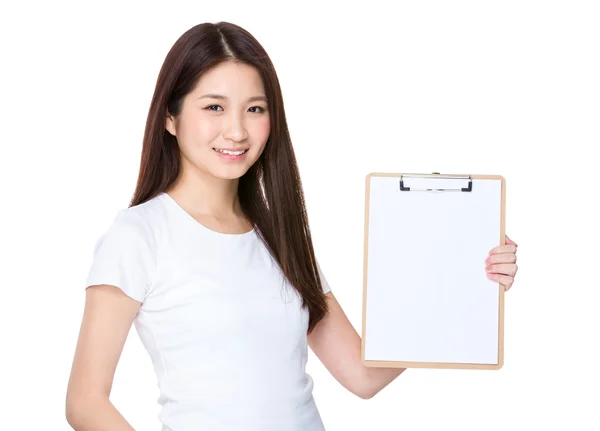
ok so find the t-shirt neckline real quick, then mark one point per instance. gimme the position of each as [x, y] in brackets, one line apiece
[181, 210]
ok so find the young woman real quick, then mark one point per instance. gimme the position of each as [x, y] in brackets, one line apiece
[213, 260]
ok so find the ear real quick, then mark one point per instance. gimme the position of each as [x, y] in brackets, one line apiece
[170, 125]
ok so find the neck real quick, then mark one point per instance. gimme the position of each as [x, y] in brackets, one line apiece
[204, 194]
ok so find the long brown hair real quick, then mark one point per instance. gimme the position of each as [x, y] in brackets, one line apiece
[270, 192]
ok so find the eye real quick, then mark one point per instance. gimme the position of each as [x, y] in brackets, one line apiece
[219, 106]
[259, 107]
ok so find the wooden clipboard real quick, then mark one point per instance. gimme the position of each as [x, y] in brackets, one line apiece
[427, 302]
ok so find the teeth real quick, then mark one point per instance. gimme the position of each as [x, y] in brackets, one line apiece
[233, 153]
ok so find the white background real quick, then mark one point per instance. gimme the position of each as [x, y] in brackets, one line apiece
[509, 88]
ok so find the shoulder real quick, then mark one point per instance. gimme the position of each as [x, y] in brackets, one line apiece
[126, 254]
[134, 226]
[145, 218]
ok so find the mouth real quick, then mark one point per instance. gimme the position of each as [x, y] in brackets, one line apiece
[231, 155]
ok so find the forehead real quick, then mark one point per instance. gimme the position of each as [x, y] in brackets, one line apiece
[233, 80]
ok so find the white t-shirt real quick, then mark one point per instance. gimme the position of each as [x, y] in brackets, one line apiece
[224, 329]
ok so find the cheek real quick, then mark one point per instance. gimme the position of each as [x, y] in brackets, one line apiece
[262, 129]
[200, 129]
[206, 131]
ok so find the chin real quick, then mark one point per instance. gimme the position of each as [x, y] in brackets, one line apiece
[230, 174]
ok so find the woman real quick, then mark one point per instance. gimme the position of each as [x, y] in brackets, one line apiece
[213, 260]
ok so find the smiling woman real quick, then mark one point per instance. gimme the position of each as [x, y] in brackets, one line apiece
[218, 183]
[236, 131]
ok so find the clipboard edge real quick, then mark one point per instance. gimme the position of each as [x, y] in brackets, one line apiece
[432, 365]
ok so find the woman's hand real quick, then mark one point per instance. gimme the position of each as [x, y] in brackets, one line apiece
[501, 263]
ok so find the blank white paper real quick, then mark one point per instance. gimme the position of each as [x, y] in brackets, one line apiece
[428, 298]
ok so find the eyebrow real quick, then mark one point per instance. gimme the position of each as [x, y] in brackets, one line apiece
[218, 96]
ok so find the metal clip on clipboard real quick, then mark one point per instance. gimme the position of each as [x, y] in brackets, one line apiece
[436, 175]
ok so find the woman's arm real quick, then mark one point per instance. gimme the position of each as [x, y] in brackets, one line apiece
[337, 344]
[99, 414]
[107, 319]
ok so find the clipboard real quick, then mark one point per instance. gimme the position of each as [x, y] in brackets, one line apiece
[427, 301]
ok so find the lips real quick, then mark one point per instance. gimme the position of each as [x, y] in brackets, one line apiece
[231, 149]
[231, 157]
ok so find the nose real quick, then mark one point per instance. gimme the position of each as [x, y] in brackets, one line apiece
[234, 129]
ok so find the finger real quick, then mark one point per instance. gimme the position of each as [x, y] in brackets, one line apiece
[502, 269]
[501, 258]
[509, 241]
[503, 249]
[505, 280]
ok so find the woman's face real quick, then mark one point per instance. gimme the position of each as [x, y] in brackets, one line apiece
[226, 111]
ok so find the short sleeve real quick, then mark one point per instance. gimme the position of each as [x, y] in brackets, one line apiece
[124, 256]
[324, 283]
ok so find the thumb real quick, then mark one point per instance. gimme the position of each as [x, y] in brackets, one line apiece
[510, 241]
